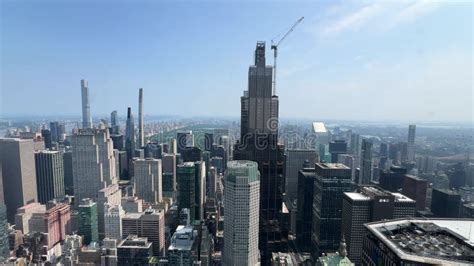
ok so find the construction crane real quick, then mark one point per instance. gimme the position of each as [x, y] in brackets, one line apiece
[275, 51]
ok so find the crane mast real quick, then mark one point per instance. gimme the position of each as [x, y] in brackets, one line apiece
[274, 47]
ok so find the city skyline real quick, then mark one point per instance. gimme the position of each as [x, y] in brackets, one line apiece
[336, 53]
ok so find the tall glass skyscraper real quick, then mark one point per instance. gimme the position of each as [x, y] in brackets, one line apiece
[259, 143]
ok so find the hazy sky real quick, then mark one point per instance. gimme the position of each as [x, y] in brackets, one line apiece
[399, 60]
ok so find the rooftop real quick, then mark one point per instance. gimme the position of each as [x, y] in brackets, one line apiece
[357, 196]
[319, 127]
[432, 241]
[333, 166]
[183, 238]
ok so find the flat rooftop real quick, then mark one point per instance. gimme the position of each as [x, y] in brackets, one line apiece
[333, 166]
[319, 127]
[357, 196]
[401, 198]
[432, 241]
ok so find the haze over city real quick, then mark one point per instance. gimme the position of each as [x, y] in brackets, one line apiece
[374, 60]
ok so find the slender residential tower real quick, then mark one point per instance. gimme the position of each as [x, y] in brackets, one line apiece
[411, 143]
[130, 140]
[86, 109]
[141, 134]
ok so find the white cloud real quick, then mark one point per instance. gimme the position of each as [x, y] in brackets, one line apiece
[385, 16]
[354, 20]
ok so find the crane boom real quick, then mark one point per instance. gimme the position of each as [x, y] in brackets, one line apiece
[274, 47]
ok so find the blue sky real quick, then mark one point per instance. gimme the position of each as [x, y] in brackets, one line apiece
[389, 60]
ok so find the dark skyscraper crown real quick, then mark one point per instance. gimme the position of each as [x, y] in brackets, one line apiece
[260, 54]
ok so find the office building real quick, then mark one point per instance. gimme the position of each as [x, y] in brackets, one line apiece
[411, 143]
[383, 151]
[110, 195]
[118, 141]
[88, 225]
[113, 221]
[141, 133]
[336, 148]
[212, 184]
[191, 187]
[134, 250]
[30, 218]
[49, 175]
[418, 242]
[392, 179]
[132, 204]
[355, 144]
[415, 188]
[259, 120]
[365, 175]
[130, 141]
[4, 227]
[241, 201]
[331, 181]
[149, 224]
[46, 135]
[370, 204]
[304, 214]
[191, 154]
[68, 173]
[86, 109]
[293, 164]
[208, 141]
[153, 150]
[19, 174]
[169, 175]
[147, 179]
[93, 162]
[183, 246]
[445, 203]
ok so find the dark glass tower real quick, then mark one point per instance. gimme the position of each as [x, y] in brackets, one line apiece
[258, 142]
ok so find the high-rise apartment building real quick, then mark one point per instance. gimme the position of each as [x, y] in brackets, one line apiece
[147, 179]
[304, 214]
[366, 172]
[370, 204]
[259, 143]
[149, 224]
[19, 174]
[241, 200]
[86, 109]
[411, 143]
[49, 175]
[141, 133]
[331, 181]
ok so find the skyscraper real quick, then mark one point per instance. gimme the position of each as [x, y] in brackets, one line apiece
[93, 162]
[365, 175]
[19, 174]
[141, 133]
[4, 251]
[293, 164]
[68, 175]
[169, 175]
[110, 195]
[88, 226]
[411, 143]
[49, 175]
[148, 179]
[259, 143]
[331, 181]
[113, 221]
[130, 140]
[86, 110]
[370, 204]
[114, 123]
[57, 221]
[192, 188]
[306, 180]
[241, 200]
